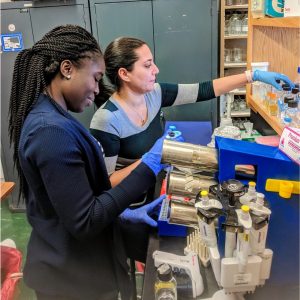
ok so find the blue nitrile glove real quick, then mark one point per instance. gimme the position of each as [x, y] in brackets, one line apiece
[141, 215]
[153, 157]
[270, 78]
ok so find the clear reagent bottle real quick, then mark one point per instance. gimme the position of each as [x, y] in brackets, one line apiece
[165, 284]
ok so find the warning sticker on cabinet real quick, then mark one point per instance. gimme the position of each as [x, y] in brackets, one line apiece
[12, 42]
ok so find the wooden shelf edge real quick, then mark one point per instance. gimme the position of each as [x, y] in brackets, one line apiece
[235, 65]
[235, 37]
[288, 22]
[6, 188]
[271, 120]
[243, 6]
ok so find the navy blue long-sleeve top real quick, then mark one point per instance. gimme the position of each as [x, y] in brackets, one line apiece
[71, 206]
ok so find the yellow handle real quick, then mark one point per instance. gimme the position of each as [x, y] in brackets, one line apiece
[284, 187]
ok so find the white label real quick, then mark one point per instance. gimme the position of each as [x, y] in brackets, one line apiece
[241, 279]
[11, 27]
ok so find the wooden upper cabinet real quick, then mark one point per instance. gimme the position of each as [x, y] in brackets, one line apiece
[277, 41]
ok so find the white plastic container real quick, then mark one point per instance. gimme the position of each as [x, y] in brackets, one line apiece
[262, 66]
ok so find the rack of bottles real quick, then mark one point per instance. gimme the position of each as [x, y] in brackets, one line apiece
[233, 41]
[275, 40]
[233, 54]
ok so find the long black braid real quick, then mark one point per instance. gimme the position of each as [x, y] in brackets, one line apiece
[35, 68]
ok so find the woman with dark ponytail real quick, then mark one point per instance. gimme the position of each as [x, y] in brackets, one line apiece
[75, 249]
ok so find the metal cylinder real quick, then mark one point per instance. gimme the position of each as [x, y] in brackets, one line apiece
[190, 156]
[183, 213]
[188, 185]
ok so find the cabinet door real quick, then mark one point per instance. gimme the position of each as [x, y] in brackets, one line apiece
[19, 19]
[43, 18]
[43, 21]
[122, 18]
[185, 36]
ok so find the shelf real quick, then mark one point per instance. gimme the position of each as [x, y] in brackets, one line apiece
[242, 6]
[271, 120]
[235, 37]
[241, 91]
[235, 65]
[288, 22]
[6, 188]
[240, 114]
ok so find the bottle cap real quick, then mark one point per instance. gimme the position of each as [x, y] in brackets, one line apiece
[245, 208]
[286, 87]
[295, 90]
[164, 272]
[252, 183]
[260, 195]
[277, 80]
[292, 103]
[171, 133]
[204, 193]
[287, 119]
[287, 99]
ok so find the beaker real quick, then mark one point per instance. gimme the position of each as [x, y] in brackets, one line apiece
[245, 24]
[235, 25]
[237, 54]
[228, 55]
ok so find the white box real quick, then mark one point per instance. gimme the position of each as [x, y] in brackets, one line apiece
[290, 143]
[292, 8]
[262, 66]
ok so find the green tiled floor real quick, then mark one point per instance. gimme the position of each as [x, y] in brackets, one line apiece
[14, 226]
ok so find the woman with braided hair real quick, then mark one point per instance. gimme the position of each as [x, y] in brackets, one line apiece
[75, 249]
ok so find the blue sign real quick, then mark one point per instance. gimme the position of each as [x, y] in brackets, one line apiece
[12, 42]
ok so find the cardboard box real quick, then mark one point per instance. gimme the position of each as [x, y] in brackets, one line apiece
[290, 143]
[274, 8]
[292, 8]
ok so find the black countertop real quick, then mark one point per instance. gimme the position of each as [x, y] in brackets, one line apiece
[173, 245]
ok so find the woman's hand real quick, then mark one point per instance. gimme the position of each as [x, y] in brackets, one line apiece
[270, 78]
[141, 215]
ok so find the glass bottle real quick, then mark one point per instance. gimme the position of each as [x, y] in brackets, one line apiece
[237, 54]
[273, 106]
[295, 93]
[282, 101]
[235, 24]
[286, 100]
[245, 24]
[165, 284]
[174, 134]
[292, 111]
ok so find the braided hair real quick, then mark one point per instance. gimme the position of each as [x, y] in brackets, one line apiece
[35, 68]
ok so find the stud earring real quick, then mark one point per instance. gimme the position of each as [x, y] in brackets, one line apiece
[68, 77]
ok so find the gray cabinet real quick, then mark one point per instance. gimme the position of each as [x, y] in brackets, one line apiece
[111, 19]
[32, 20]
[186, 50]
[183, 35]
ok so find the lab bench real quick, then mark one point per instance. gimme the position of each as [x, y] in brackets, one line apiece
[282, 239]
